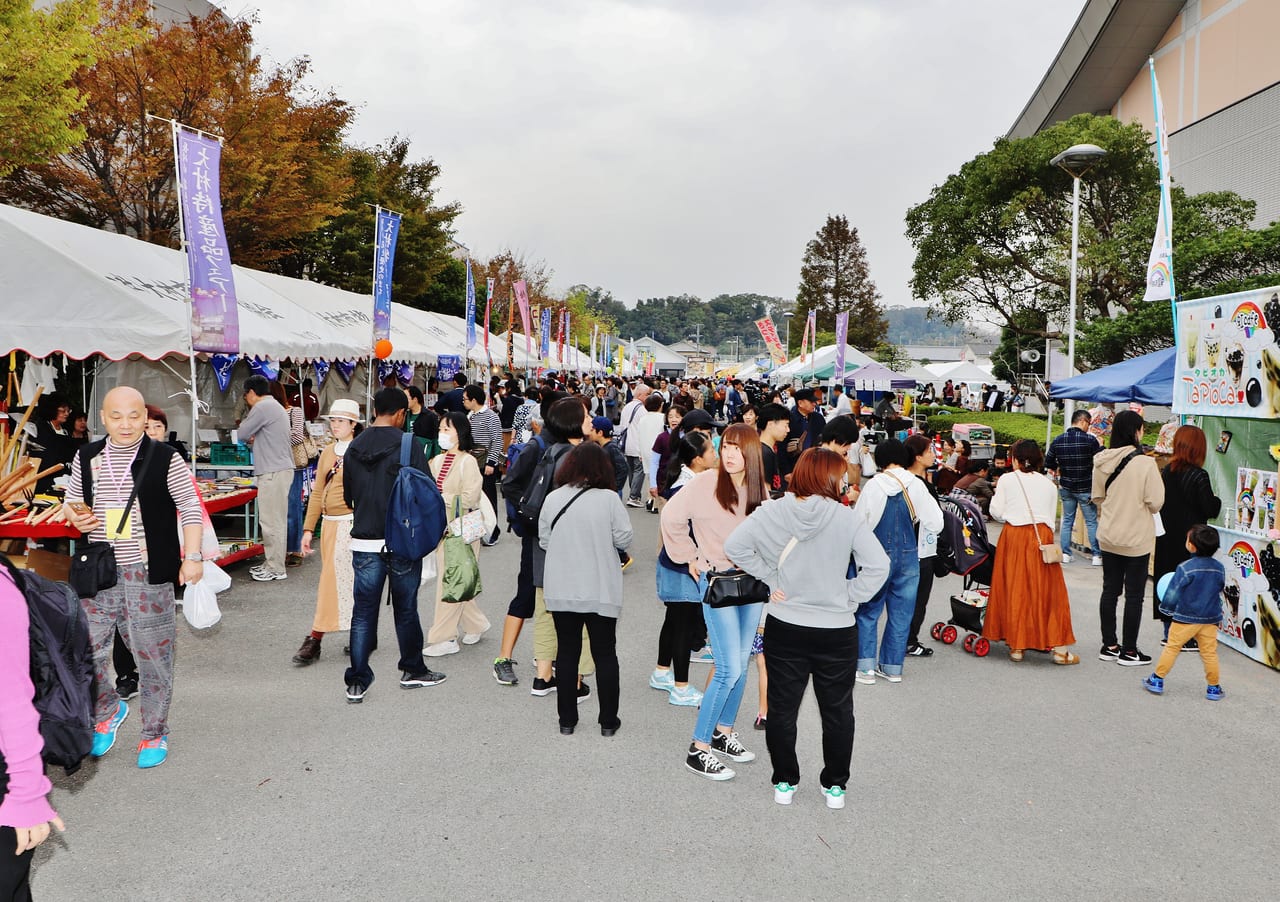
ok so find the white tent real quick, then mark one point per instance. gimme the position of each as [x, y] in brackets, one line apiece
[922, 375]
[818, 361]
[960, 372]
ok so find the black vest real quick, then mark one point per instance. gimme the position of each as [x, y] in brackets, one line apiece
[159, 513]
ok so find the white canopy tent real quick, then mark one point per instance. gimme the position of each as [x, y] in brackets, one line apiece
[963, 371]
[818, 361]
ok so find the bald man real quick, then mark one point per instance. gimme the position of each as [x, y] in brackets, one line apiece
[149, 560]
[630, 441]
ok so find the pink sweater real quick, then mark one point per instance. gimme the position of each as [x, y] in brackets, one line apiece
[712, 524]
[26, 802]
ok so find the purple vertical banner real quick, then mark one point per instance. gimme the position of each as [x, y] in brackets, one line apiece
[471, 308]
[842, 333]
[322, 372]
[215, 321]
[384, 260]
[545, 350]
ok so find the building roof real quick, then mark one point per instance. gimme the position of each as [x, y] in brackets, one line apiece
[664, 357]
[687, 347]
[1106, 48]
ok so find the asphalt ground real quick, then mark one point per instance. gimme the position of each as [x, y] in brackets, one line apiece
[972, 779]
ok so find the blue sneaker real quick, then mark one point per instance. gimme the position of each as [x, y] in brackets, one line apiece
[104, 734]
[688, 697]
[1154, 684]
[662, 679]
[1215, 693]
[152, 752]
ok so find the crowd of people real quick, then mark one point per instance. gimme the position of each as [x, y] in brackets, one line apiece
[789, 536]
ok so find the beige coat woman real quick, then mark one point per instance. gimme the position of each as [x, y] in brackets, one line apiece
[461, 481]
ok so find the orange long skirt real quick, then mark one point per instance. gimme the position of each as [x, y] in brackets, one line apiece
[1028, 606]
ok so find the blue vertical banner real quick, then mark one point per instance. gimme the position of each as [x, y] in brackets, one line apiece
[384, 259]
[471, 308]
[447, 366]
[322, 372]
[215, 318]
[545, 332]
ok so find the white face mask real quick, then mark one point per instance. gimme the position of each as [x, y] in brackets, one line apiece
[446, 441]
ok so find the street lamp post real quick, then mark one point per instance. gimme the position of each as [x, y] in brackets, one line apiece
[787, 316]
[1075, 161]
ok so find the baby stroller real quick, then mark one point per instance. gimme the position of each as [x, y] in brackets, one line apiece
[964, 549]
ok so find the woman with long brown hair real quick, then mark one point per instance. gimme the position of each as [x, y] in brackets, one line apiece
[1028, 606]
[695, 524]
[1188, 501]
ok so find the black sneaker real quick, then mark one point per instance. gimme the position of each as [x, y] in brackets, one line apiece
[1192, 645]
[355, 693]
[730, 746]
[705, 764]
[1109, 653]
[1133, 658]
[504, 671]
[584, 692]
[543, 687]
[418, 681]
[916, 650]
[127, 687]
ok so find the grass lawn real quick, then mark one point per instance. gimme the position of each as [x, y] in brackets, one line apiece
[1011, 427]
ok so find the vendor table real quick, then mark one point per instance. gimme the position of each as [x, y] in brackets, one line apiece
[246, 502]
[20, 530]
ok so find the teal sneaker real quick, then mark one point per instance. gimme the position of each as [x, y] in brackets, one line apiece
[783, 793]
[688, 697]
[662, 679]
[834, 796]
[104, 733]
[152, 752]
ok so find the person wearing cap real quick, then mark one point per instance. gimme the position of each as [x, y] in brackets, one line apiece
[806, 429]
[335, 595]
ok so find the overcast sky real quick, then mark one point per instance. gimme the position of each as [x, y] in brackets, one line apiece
[660, 147]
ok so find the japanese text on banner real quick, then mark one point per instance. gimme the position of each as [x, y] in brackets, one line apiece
[215, 321]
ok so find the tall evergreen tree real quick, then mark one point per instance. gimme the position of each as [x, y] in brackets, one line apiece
[834, 277]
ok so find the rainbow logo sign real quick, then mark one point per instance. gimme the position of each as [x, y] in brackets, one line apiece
[1158, 276]
[1243, 557]
[1248, 317]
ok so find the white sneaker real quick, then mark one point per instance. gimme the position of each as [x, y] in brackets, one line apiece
[866, 676]
[1097, 560]
[440, 649]
[471, 638]
[834, 796]
[264, 576]
[783, 793]
[891, 677]
[1066, 557]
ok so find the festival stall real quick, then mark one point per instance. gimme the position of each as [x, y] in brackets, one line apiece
[1227, 381]
[818, 364]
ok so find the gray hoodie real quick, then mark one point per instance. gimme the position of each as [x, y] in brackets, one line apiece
[813, 577]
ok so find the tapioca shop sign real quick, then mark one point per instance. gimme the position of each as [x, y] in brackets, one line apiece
[1227, 381]
[1228, 361]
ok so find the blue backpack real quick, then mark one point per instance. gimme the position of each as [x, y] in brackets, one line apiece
[416, 516]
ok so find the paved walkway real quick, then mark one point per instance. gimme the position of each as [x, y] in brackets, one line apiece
[973, 779]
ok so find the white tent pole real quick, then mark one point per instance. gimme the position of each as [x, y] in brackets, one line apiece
[190, 305]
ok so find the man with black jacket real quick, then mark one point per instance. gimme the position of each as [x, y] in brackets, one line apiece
[369, 473]
[451, 401]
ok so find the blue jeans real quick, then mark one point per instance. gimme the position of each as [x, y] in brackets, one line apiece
[897, 596]
[1070, 501]
[730, 631]
[294, 532]
[372, 570]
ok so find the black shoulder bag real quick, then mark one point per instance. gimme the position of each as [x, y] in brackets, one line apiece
[93, 567]
[1120, 469]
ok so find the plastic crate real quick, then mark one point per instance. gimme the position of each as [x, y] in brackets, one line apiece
[225, 454]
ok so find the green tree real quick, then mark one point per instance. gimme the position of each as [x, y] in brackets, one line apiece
[447, 293]
[40, 51]
[834, 277]
[340, 252]
[993, 241]
[892, 356]
[1006, 359]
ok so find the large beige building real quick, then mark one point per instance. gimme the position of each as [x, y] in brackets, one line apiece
[1219, 75]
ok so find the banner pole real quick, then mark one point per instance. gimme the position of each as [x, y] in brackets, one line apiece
[190, 304]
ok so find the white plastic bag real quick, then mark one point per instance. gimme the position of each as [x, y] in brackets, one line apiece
[428, 569]
[218, 579]
[200, 605]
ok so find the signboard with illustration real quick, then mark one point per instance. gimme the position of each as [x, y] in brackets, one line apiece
[1255, 507]
[1250, 607]
[1228, 360]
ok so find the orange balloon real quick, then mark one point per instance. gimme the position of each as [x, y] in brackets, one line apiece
[382, 349]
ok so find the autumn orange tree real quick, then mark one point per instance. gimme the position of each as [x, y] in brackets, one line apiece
[282, 163]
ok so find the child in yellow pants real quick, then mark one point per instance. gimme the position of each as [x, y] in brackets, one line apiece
[1194, 601]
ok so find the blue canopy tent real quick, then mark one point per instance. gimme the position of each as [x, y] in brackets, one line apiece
[1147, 379]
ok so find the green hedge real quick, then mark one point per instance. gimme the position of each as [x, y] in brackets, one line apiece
[1011, 427]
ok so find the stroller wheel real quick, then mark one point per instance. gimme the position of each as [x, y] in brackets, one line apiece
[982, 647]
[949, 634]
[936, 632]
[968, 642]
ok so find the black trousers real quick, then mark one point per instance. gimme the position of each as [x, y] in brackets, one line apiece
[123, 661]
[923, 590]
[14, 869]
[523, 602]
[830, 656]
[676, 637]
[1127, 574]
[490, 489]
[602, 631]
